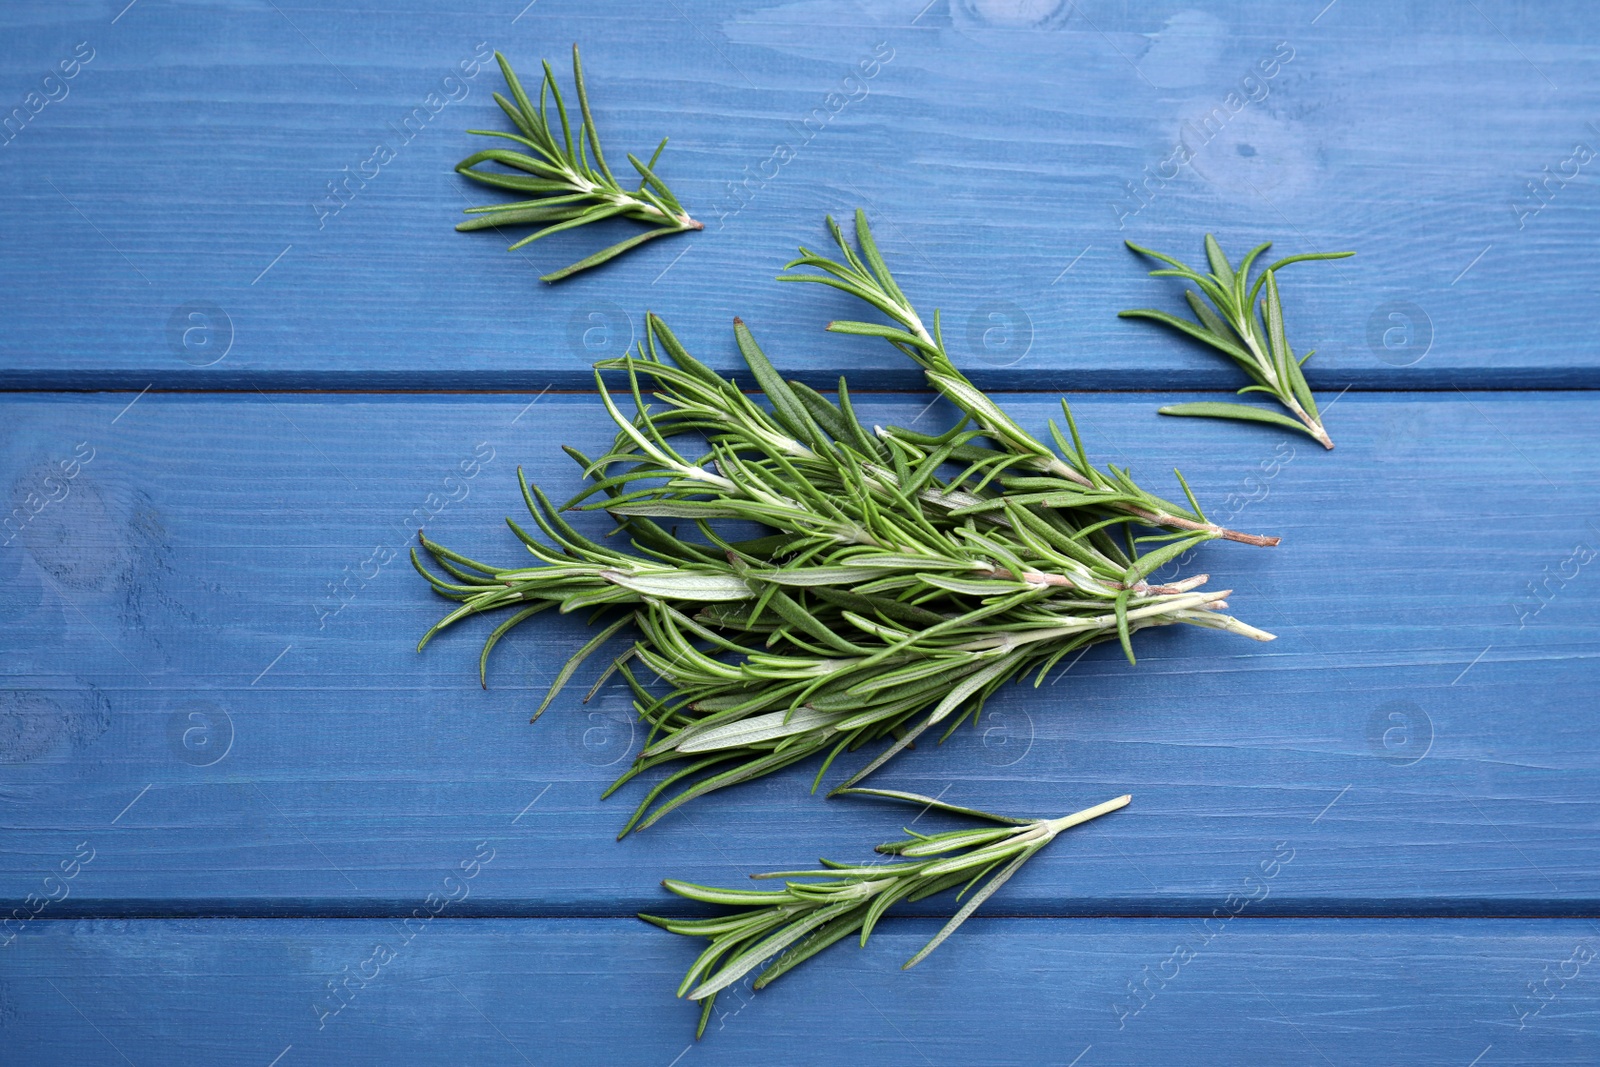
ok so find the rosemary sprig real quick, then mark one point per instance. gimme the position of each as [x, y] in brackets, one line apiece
[899, 589]
[1063, 478]
[804, 918]
[1230, 324]
[569, 188]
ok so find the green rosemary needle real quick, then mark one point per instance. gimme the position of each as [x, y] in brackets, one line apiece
[1066, 479]
[570, 189]
[1230, 325]
[806, 917]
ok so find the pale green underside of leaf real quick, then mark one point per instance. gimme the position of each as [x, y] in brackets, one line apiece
[684, 585]
[1211, 409]
[759, 728]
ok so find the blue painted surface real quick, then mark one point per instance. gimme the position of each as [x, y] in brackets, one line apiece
[188, 572]
[211, 704]
[993, 143]
[1010, 992]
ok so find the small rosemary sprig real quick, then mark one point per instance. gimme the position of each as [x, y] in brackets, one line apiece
[1058, 479]
[1230, 324]
[569, 188]
[804, 918]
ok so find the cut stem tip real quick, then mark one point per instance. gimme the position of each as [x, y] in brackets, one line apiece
[1262, 540]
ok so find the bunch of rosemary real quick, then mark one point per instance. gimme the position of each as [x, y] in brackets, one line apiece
[906, 578]
[803, 918]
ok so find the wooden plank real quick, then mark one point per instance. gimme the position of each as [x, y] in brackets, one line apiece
[168, 219]
[1088, 992]
[208, 653]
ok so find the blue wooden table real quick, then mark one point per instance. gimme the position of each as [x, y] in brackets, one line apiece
[243, 822]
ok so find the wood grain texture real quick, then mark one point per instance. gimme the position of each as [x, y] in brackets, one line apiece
[1003, 992]
[1371, 841]
[182, 170]
[208, 651]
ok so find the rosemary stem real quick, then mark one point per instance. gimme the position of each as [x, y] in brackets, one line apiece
[1069, 821]
[1183, 522]
[1174, 606]
[1313, 426]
